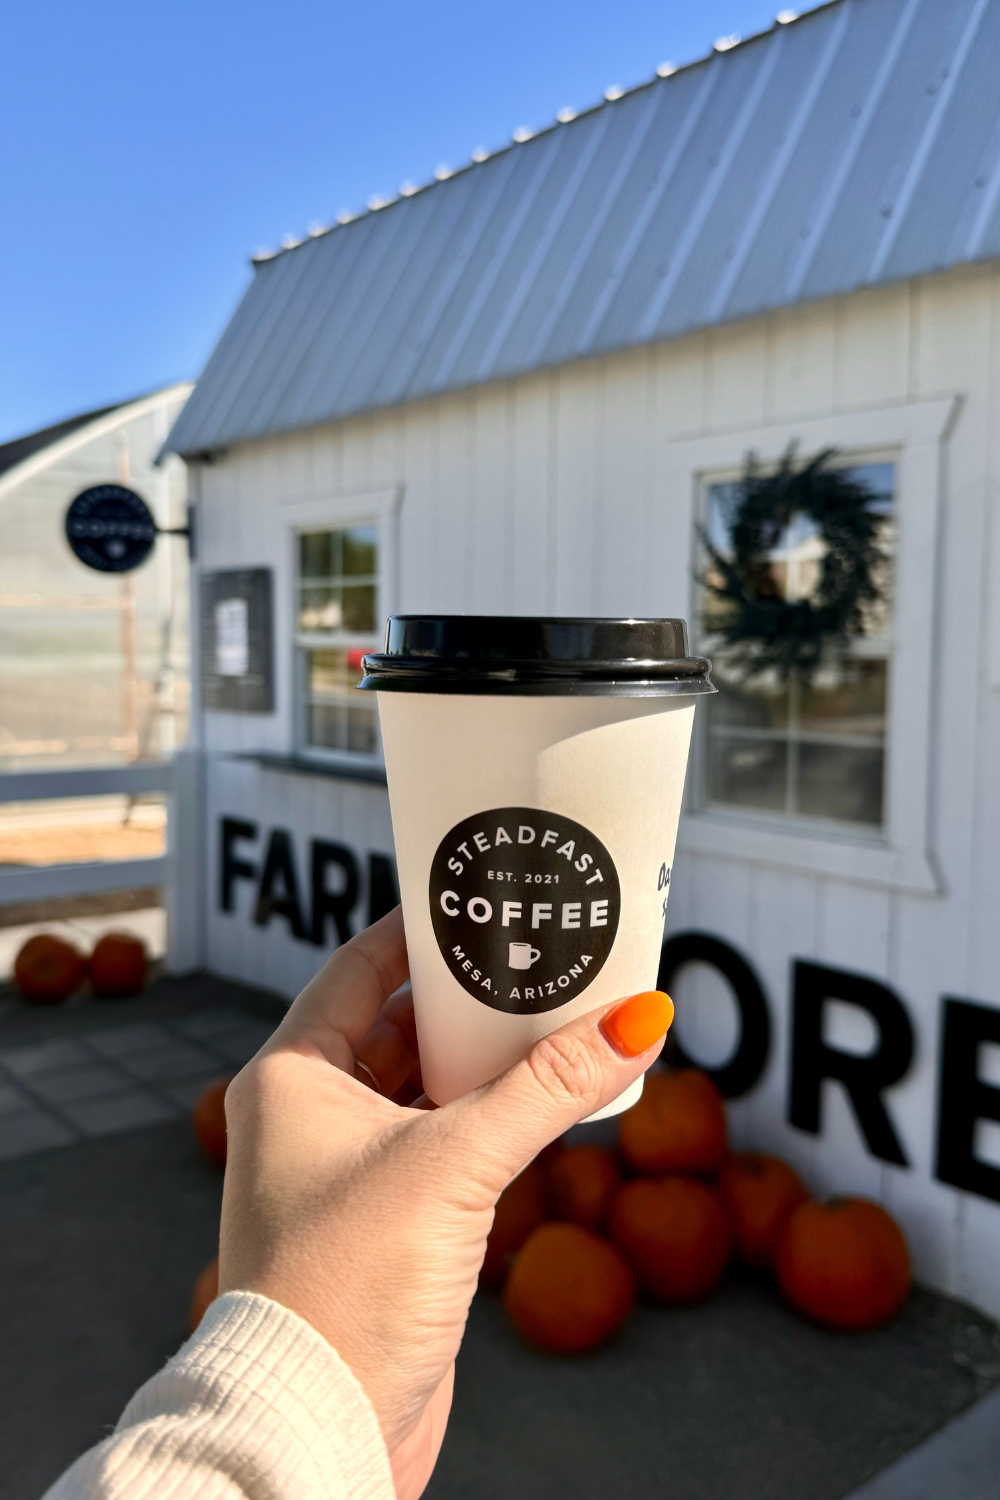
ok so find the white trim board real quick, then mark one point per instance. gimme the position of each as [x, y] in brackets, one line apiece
[87, 781]
[721, 836]
[40, 882]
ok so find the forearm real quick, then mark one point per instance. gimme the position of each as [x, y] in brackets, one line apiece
[256, 1406]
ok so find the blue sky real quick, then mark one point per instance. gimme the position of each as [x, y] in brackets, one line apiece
[148, 150]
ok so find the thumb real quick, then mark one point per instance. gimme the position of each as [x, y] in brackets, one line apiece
[568, 1075]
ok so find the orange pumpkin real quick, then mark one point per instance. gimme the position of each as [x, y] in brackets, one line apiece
[677, 1125]
[674, 1232]
[47, 970]
[568, 1290]
[118, 965]
[206, 1289]
[520, 1209]
[549, 1153]
[582, 1182]
[210, 1120]
[844, 1263]
[759, 1192]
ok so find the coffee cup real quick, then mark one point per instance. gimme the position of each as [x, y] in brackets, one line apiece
[535, 770]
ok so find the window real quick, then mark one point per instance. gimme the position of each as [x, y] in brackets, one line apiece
[337, 609]
[793, 751]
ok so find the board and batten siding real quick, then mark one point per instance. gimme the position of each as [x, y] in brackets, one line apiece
[560, 493]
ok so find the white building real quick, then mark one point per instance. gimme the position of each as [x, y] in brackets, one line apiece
[513, 391]
[93, 666]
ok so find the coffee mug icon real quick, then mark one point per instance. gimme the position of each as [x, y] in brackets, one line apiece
[522, 955]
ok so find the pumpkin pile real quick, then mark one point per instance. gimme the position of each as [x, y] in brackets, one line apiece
[583, 1231]
[118, 965]
[48, 970]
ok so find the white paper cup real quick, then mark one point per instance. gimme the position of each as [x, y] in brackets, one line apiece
[534, 837]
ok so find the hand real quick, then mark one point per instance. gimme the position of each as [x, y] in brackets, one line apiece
[369, 1218]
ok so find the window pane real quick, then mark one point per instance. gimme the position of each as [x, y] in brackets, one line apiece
[361, 731]
[327, 560]
[717, 611]
[880, 479]
[877, 614]
[793, 568]
[316, 554]
[320, 608]
[359, 608]
[325, 726]
[747, 773]
[837, 781]
[325, 674]
[832, 763]
[761, 704]
[338, 571]
[721, 499]
[335, 672]
[848, 699]
[338, 717]
[359, 551]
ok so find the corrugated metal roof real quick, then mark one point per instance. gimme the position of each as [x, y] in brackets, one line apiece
[857, 145]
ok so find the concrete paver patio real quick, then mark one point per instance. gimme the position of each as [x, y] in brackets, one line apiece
[109, 1213]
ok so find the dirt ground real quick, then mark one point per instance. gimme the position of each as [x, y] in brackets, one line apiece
[103, 1239]
[64, 834]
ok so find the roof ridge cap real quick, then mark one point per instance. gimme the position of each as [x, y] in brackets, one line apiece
[377, 204]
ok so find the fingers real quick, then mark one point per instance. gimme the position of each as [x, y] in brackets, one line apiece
[567, 1076]
[411, 1089]
[388, 1054]
[337, 1009]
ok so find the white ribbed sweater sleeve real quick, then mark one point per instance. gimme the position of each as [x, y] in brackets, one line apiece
[255, 1406]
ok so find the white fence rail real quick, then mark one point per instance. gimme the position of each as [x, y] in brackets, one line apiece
[40, 882]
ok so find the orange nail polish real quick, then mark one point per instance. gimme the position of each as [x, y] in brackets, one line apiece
[637, 1023]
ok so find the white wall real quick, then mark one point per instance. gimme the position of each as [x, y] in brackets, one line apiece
[62, 664]
[572, 491]
[309, 807]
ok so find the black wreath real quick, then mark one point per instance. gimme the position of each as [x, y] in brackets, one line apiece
[762, 630]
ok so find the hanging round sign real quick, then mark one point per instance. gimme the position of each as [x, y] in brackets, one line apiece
[110, 528]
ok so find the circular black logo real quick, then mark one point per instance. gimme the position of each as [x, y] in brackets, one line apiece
[525, 906]
[110, 528]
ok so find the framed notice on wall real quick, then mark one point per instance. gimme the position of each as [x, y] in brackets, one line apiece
[237, 641]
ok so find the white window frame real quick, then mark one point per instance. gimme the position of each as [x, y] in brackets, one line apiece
[378, 507]
[912, 436]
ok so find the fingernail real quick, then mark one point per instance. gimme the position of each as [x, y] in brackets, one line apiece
[637, 1023]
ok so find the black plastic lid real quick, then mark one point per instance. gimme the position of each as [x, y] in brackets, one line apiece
[526, 655]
